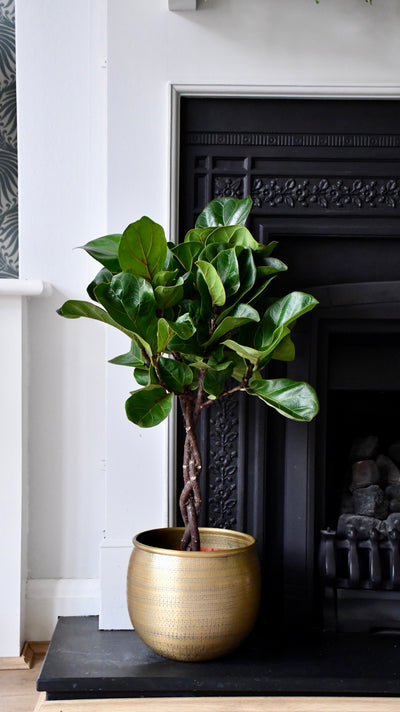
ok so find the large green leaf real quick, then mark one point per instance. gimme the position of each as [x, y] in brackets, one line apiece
[163, 278]
[133, 358]
[199, 234]
[246, 352]
[227, 266]
[169, 296]
[143, 248]
[279, 334]
[74, 308]
[271, 265]
[186, 253]
[149, 406]
[175, 375]
[213, 282]
[131, 297]
[242, 236]
[247, 276]
[188, 347]
[215, 380]
[283, 312]
[105, 250]
[225, 211]
[104, 276]
[241, 314]
[182, 327]
[293, 399]
[145, 375]
[285, 351]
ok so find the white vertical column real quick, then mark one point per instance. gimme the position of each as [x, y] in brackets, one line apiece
[12, 397]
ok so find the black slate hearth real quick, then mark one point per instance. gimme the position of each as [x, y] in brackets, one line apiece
[84, 662]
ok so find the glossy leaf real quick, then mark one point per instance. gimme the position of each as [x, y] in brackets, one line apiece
[131, 296]
[285, 351]
[186, 253]
[199, 234]
[279, 334]
[271, 266]
[215, 380]
[175, 375]
[247, 276]
[242, 236]
[283, 312]
[143, 248]
[293, 399]
[227, 266]
[149, 406]
[182, 327]
[133, 358]
[102, 277]
[105, 250]
[213, 282]
[164, 334]
[225, 211]
[169, 296]
[142, 376]
[163, 278]
[240, 315]
[246, 352]
[73, 309]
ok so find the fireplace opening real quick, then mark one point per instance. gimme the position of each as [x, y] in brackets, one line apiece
[362, 413]
[323, 176]
[359, 564]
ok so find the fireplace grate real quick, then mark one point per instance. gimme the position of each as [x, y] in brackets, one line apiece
[357, 577]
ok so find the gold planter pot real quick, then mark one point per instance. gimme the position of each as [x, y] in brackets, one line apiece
[190, 605]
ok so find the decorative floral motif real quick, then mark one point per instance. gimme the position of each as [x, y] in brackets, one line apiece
[225, 187]
[326, 193]
[8, 144]
[223, 463]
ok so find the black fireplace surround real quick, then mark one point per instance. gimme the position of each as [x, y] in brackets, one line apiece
[324, 179]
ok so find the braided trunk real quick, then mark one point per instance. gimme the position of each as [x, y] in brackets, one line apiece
[190, 499]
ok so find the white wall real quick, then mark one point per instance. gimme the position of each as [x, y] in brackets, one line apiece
[76, 402]
[61, 48]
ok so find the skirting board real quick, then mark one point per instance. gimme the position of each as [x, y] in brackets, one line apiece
[47, 599]
[25, 660]
[230, 704]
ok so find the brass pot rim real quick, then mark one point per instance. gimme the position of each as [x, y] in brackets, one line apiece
[247, 539]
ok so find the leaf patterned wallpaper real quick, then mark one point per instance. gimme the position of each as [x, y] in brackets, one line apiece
[8, 144]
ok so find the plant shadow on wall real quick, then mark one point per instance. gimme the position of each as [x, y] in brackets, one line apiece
[202, 326]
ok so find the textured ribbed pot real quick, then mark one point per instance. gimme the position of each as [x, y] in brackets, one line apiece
[193, 605]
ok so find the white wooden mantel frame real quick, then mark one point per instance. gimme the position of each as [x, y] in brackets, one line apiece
[13, 488]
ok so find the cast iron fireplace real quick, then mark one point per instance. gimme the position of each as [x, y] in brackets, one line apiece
[324, 180]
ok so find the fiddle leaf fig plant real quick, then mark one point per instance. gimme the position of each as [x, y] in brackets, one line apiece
[201, 323]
